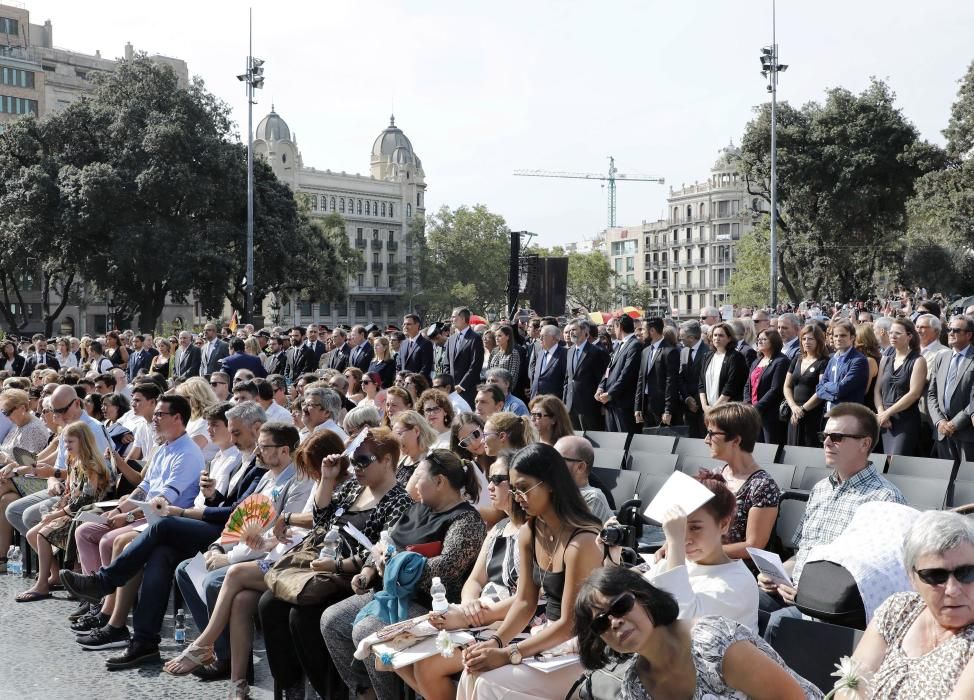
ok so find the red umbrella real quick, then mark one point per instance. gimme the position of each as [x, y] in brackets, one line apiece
[476, 320]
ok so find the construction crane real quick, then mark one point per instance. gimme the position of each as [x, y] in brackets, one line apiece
[610, 178]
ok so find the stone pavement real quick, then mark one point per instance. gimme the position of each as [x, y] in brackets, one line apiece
[39, 658]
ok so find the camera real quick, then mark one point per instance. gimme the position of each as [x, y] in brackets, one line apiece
[629, 529]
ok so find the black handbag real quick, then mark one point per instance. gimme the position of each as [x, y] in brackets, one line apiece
[784, 411]
[828, 592]
[603, 684]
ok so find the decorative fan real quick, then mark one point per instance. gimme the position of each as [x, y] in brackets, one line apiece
[252, 517]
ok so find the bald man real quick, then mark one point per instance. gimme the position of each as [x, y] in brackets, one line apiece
[579, 456]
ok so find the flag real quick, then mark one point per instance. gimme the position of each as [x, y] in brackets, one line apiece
[233, 323]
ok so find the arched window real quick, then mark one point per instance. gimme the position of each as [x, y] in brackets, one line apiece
[341, 205]
[375, 208]
[314, 202]
[390, 210]
[368, 207]
[409, 211]
[383, 209]
[703, 210]
[358, 207]
[689, 212]
[676, 214]
[332, 204]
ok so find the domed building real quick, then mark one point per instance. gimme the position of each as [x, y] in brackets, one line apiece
[377, 208]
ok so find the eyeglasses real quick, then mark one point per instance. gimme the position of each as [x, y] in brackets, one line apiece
[267, 446]
[362, 461]
[62, 410]
[938, 577]
[538, 415]
[156, 414]
[518, 493]
[619, 606]
[367, 381]
[429, 410]
[576, 460]
[498, 479]
[958, 330]
[711, 433]
[838, 437]
[472, 437]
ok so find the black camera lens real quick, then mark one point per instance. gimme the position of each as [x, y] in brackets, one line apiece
[613, 536]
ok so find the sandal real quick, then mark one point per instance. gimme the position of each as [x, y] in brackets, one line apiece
[31, 596]
[239, 690]
[195, 655]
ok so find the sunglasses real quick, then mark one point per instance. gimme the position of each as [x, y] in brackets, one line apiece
[838, 437]
[366, 381]
[938, 577]
[498, 479]
[518, 493]
[63, 410]
[620, 605]
[472, 437]
[362, 461]
[957, 330]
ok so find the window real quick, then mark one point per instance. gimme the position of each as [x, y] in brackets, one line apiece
[689, 232]
[304, 308]
[392, 236]
[375, 309]
[17, 105]
[324, 308]
[689, 212]
[361, 283]
[630, 264]
[735, 232]
[390, 210]
[375, 279]
[12, 26]
[703, 255]
[409, 211]
[375, 234]
[17, 77]
[723, 208]
[723, 232]
[375, 208]
[676, 256]
[419, 199]
[375, 258]
[368, 208]
[333, 204]
[702, 278]
[383, 209]
[314, 202]
[703, 210]
[358, 207]
[359, 310]
[341, 204]
[735, 206]
[358, 233]
[101, 323]
[618, 266]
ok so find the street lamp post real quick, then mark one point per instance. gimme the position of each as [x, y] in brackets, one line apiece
[253, 77]
[770, 69]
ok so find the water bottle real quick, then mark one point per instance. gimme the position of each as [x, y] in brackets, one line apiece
[438, 594]
[179, 629]
[14, 564]
[385, 544]
[331, 544]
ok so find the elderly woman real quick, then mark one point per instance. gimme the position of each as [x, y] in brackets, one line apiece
[919, 644]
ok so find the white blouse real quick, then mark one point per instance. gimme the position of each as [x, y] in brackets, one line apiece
[713, 377]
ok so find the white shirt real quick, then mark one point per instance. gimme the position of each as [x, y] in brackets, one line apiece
[333, 427]
[458, 403]
[728, 590]
[221, 467]
[713, 377]
[198, 427]
[276, 412]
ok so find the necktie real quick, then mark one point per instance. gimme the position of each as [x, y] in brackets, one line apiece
[951, 378]
[544, 362]
[690, 357]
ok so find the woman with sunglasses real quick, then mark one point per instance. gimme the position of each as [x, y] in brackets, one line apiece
[496, 571]
[507, 431]
[560, 542]
[901, 382]
[724, 371]
[619, 613]
[467, 440]
[371, 500]
[920, 644]
[416, 438]
[374, 395]
[438, 412]
[550, 418]
[445, 528]
[355, 392]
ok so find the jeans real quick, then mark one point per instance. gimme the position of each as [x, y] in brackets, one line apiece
[25, 513]
[200, 609]
[158, 550]
[771, 610]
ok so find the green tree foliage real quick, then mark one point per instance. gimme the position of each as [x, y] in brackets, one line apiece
[846, 170]
[463, 259]
[751, 279]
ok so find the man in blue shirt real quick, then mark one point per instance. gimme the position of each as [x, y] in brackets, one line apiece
[502, 379]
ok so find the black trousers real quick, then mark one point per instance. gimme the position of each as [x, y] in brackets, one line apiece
[295, 647]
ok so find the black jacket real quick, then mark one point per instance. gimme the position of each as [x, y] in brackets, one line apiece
[733, 375]
[658, 386]
[416, 355]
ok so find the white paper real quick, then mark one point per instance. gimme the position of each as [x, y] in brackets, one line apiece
[359, 536]
[679, 490]
[89, 517]
[196, 570]
[106, 505]
[770, 565]
[281, 549]
[150, 513]
[406, 651]
[356, 443]
[547, 664]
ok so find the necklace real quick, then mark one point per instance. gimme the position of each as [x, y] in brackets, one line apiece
[551, 555]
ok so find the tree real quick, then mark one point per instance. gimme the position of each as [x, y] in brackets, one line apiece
[845, 171]
[463, 260]
[751, 279]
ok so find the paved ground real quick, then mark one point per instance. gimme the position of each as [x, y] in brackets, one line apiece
[39, 658]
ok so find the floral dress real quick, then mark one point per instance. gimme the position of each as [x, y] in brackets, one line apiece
[710, 638]
[80, 493]
[931, 676]
[759, 490]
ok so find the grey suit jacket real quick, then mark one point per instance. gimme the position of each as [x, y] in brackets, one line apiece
[961, 406]
[211, 356]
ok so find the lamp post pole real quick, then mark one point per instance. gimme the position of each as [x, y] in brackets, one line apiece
[253, 77]
[770, 69]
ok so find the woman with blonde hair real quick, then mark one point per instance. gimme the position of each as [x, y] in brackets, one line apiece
[416, 438]
[163, 362]
[868, 344]
[397, 401]
[505, 430]
[550, 417]
[383, 363]
[200, 396]
[88, 481]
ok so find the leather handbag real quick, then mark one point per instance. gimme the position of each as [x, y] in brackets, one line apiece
[292, 579]
[784, 411]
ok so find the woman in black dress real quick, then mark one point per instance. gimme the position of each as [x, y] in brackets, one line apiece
[902, 379]
[115, 351]
[383, 363]
[800, 382]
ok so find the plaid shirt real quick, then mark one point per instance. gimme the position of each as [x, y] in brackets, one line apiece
[831, 506]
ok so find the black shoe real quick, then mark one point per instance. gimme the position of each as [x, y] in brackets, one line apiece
[219, 670]
[136, 654]
[106, 637]
[89, 623]
[83, 609]
[88, 587]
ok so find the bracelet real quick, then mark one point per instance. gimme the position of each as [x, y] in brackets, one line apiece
[338, 566]
[287, 520]
[494, 637]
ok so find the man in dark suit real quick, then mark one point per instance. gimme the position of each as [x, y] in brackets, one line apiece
[212, 352]
[362, 352]
[316, 345]
[337, 358]
[139, 358]
[693, 355]
[547, 369]
[617, 390]
[300, 358]
[465, 355]
[585, 366]
[416, 351]
[658, 386]
[40, 356]
[188, 357]
[241, 360]
[949, 394]
[276, 361]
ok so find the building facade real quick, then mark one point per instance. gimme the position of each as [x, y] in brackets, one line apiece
[688, 258]
[378, 210]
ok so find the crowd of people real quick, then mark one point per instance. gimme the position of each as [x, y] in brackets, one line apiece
[407, 464]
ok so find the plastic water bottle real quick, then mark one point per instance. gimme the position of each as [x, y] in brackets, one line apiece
[14, 564]
[179, 629]
[330, 545]
[438, 594]
[385, 543]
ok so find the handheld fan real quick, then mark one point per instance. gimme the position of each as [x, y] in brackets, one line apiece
[252, 517]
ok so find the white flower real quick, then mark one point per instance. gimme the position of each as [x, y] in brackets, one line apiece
[444, 643]
[852, 676]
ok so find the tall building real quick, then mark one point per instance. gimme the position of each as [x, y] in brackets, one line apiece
[688, 258]
[378, 210]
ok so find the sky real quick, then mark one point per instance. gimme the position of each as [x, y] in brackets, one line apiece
[485, 88]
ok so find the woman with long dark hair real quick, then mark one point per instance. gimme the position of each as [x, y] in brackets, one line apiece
[803, 376]
[560, 541]
[901, 382]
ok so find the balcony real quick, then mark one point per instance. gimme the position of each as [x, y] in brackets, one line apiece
[393, 269]
[377, 244]
[362, 266]
[360, 243]
[376, 267]
[392, 246]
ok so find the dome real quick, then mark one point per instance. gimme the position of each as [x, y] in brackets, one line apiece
[393, 146]
[730, 156]
[273, 128]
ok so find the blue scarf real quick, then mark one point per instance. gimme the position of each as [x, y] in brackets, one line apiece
[399, 583]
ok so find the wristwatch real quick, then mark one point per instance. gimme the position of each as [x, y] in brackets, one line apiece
[57, 472]
[130, 517]
[515, 654]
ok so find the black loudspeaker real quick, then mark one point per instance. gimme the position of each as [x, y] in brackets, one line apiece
[549, 293]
